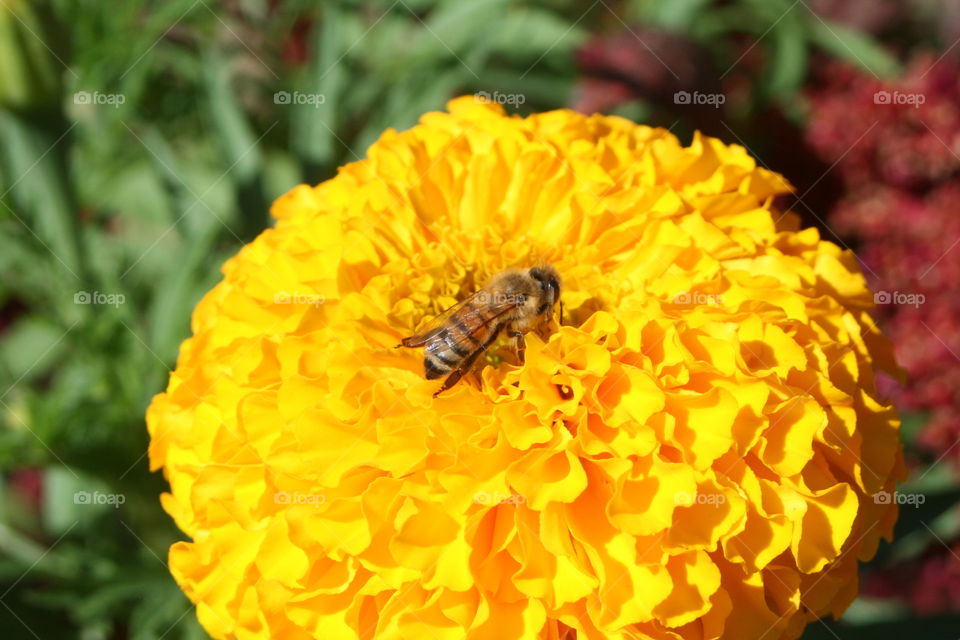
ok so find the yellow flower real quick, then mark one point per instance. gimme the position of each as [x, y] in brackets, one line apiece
[694, 454]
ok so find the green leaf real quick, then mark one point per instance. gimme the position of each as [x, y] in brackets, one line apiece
[451, 29]
[315, 105]
[280, 174]
[133, 194]
[24, 551]
[528, 36]
[29, 348]
[422, 91]
[676, 15]
[853, 46]
[176, 296]
[788, 68]
[865, 610]
[71, 498]
[911, 425]
[235, 133]
[37, 183]
[923, 512]
[29, 72]
[162, 606]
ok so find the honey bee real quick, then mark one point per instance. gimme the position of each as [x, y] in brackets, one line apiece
[516, 301]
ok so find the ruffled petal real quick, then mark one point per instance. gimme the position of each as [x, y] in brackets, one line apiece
[693, 447]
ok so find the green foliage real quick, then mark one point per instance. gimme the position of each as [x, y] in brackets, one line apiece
[783, 33]
[116, 214]
[141, 143]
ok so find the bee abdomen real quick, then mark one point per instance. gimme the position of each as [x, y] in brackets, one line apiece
[436, 365]
[442, 355]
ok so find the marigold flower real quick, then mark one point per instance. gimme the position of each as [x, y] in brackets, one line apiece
[901, 187]
[698, 452]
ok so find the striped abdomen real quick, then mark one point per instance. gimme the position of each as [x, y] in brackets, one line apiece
[467, 331]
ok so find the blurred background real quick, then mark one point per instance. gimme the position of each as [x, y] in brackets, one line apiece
[141, 143]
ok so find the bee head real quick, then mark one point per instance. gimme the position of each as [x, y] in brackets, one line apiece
[549, 281]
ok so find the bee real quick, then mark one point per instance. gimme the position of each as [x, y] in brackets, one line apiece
[516, 301]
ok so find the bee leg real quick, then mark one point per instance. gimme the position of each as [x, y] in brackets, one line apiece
[411, 341]
[451, 380]
[520, 345]
[457, 373]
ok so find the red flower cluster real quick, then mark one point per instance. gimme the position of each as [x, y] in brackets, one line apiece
[934, 582]
[896, 147]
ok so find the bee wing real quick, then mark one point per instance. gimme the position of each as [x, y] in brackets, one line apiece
[472, 321]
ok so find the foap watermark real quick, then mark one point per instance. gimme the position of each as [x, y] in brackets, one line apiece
[898, 297]
[95, 97]
[712, 99]
[487, 498]
[687, 499]
[99, 298]
[899, 97]
[697, 297]
[98, 497]
[498, 298]
[297, 97]
[309, 299]
[512, 99]
[885, 497]
[297, 498]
